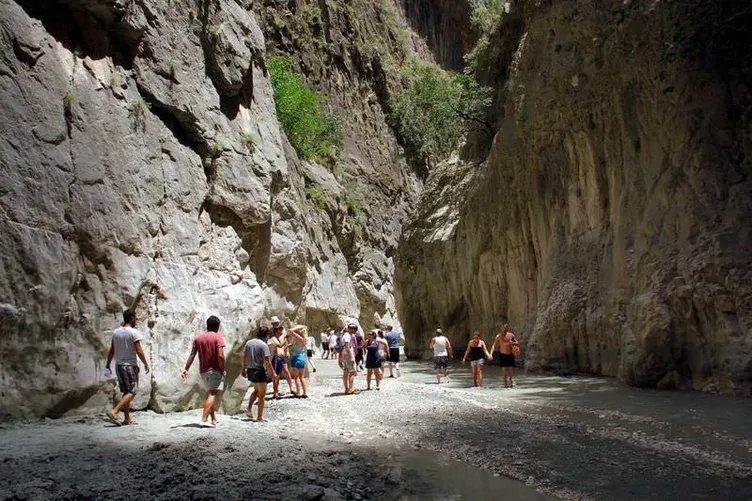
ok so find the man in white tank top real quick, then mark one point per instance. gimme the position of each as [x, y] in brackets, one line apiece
[442, 352]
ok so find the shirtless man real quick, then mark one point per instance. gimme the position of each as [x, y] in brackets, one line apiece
[278, 345]
[505, 340]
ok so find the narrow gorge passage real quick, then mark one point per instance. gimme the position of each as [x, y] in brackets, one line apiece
[548, 438]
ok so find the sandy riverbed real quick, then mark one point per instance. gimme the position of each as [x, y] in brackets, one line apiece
[572, 438]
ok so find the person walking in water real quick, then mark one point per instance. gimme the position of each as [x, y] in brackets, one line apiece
[375, 348]
[442, 352]
[125, 346]
[477, 351]
[257, 367]
[393, 339]
[506, 342]
[278, 346]
[299, 358]
[209, 346]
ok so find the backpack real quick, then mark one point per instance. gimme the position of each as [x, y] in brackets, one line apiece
[338, 346]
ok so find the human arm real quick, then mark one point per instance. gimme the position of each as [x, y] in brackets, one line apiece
[221, 358]
[269, 367]
[140, 353]
[485, 350]
[191, 357]
[296, 335]
[111, 354]
[449, 349]
[493, 347]
[243, 371]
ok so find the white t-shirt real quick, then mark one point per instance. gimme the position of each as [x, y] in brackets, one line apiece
[332, 341]
[324, 338]
[124, 340]
[440, 346]
[309, 344]
[347, 338]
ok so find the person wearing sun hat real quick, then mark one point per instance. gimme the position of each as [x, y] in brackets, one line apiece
[278, 346]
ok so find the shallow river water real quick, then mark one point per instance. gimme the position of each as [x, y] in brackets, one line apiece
[579, 438]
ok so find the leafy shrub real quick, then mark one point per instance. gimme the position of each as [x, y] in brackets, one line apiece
[248, 138]
[219, 146]
[354, 205]
[69, 98]
[314, 134]
[138, 107]
[316, 196]
[486, 14]
[437, 110]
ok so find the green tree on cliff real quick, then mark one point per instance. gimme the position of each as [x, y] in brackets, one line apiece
[437, 110]
[312, 132]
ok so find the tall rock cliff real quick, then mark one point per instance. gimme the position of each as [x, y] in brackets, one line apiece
[610, 222]
[142, 165]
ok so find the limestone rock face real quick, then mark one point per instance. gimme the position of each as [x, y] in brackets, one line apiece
[610, 223]
[141, 165]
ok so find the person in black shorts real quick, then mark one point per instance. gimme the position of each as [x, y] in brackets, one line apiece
[392, 338]
[507, 344]
[257, 367]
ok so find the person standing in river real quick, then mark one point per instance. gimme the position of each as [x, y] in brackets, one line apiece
[477, 351]
[124, 348]
[442, 352]
[506, 342]
[393, 339]
[257, 367]
[299, 358]
[209, 345]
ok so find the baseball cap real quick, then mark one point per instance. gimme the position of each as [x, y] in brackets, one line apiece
[352, 325]
[275, 320]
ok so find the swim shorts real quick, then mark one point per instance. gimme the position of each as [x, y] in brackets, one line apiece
[257, 375]
[440, 362]
[213, 380]
[127, 376]
[506, 360]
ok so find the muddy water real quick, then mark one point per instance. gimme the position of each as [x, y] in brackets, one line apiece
[692, 418]
[427, 476]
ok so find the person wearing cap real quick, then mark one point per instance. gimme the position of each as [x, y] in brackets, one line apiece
[442, 352]
[278, 346]
[347, 358]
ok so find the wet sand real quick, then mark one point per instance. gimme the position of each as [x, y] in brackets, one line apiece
[571, 438]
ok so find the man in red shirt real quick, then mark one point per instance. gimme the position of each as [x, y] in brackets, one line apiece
[211, 356]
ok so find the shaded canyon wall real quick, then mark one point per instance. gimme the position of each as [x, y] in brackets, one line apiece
[610, 223]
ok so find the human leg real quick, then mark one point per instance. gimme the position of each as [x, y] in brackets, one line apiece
[260, 390]
[369, 375]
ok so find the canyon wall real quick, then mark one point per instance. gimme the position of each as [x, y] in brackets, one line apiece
[142, 165]
[610, 222]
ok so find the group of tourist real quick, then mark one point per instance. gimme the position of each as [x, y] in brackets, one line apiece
[505, 342]
[278, 353]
